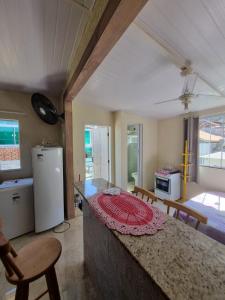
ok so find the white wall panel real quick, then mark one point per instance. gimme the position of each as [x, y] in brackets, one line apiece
[37, 39]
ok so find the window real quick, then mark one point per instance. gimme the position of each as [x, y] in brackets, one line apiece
[211, 141]
[9, 145]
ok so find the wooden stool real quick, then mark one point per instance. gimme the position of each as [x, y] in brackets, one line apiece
[33, 261]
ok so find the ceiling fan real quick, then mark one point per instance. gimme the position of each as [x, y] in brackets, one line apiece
[188, 89]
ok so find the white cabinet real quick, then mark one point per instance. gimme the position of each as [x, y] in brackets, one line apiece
[17, 207]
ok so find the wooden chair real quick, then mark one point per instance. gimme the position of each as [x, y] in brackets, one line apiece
[33, 261]
[188, 211]
[144, 193]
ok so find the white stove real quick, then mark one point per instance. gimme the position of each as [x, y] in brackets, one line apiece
[167, 186]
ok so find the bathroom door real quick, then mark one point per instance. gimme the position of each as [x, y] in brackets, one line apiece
[101, 152]
[97, 152]
[134, 156]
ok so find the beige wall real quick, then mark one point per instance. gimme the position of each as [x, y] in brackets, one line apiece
[119, 160]
[88, 115]
[212, 178]
[170, 145]
[122, 120]
[93, 115]
[32, 130]
[170, 142]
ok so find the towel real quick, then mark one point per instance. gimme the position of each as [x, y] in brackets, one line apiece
[112, 191]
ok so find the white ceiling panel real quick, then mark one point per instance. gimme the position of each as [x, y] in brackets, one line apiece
[143, 67]
[37, 39]
[195, 29]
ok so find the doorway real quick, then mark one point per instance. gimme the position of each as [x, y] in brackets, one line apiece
[134, 156]
[97, 149]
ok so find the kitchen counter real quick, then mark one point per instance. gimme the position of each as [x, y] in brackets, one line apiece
[179, 261]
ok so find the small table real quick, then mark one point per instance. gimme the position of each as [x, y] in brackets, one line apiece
[212, 205]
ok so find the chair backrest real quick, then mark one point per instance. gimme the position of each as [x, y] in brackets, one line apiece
[144, 193]
[7, 254]
[188, 211]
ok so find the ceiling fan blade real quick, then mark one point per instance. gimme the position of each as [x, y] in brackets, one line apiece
[170, 100]
[208, 95]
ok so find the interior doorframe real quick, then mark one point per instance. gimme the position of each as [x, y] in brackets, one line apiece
[109, 134]
[140, 153]
[68, 168]
[110, 153]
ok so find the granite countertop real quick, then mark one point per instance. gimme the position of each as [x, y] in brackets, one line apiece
[184, 263]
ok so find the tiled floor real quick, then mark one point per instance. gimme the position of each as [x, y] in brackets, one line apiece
[193, 190]
[73, 282]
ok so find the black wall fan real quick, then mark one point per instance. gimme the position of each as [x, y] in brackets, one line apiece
[45, 109]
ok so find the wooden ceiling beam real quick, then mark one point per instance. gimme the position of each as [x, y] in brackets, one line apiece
[115, 19]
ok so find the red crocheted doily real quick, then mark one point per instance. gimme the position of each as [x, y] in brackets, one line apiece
[127, 214]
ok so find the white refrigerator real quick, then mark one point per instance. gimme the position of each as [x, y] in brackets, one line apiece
[48, 187]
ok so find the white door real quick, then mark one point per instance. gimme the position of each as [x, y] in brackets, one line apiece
[100, 137]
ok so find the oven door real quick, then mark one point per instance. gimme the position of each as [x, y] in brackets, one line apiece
[163, 184]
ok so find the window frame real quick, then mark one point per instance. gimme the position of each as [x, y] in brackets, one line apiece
[221, 159]
[19, 139]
